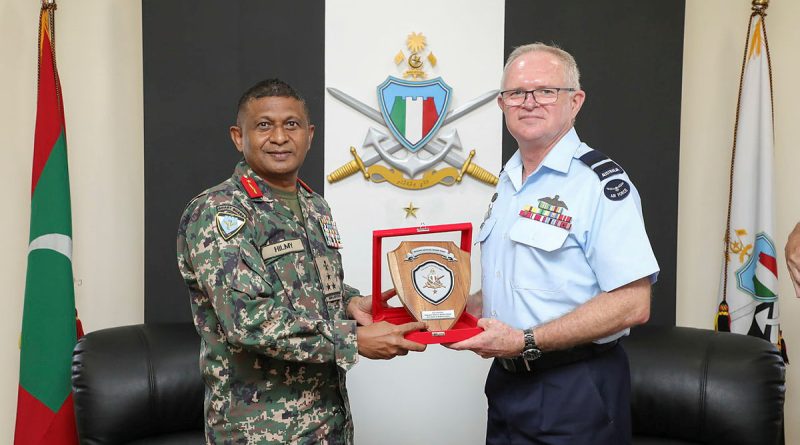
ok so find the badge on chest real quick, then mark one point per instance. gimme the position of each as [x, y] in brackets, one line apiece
[330, 232]
[550, 211]
[544, 226]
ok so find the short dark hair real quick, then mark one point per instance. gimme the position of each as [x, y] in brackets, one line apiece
[270, 88]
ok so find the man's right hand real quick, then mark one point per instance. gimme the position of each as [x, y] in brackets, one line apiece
[384, 340]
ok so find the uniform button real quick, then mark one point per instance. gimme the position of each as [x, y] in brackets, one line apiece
[498, 274]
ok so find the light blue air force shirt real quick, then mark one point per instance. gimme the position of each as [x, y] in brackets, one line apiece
[568, 233]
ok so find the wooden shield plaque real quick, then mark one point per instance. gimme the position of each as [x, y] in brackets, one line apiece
[432, 279]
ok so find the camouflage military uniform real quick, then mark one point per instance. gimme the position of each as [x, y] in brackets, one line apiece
[276, 341]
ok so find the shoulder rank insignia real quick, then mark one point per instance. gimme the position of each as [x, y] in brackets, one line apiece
[251, 187]
[230, 220]
[330, 231]
[603, 167]
[549, 211]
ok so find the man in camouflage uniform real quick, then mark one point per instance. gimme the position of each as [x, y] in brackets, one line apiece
[260, 256]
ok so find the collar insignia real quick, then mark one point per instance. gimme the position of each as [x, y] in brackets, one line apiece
[251, 187]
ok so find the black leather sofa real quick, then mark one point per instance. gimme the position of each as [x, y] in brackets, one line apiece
[141, 385]
[695, 386]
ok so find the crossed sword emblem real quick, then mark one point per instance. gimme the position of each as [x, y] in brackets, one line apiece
[385, 145]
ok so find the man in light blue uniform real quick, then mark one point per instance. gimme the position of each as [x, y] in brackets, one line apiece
[566, 269]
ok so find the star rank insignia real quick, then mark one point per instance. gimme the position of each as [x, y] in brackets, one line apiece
[328, 277]
[330, 232]
[549, 211]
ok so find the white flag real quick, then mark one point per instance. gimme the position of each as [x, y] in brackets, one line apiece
[750, 278]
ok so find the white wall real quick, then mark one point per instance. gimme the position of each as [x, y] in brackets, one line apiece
[439, 392]
[99, 55]
[713, 47]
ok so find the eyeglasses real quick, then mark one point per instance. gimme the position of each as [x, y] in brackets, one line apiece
[542, 96]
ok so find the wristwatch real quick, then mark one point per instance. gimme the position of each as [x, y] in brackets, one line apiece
[530, 351]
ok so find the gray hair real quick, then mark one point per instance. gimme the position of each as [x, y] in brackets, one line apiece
[571, 74]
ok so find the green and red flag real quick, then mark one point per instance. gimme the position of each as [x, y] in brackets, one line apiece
[45, 412]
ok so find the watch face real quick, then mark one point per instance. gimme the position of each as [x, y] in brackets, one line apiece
[531, 354]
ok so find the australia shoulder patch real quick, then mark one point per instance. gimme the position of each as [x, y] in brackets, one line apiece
[617, 189]
[230, 220]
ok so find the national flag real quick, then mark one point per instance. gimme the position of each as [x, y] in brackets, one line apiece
[749, 291]
[45, 412]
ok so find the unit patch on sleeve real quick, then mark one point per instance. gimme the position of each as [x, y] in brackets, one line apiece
[230, 220]
[607, 169]
[617, 189]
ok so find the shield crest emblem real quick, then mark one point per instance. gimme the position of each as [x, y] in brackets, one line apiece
[759, 276]
[414, 110]
[432, 280]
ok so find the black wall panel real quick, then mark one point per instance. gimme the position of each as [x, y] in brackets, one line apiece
[199, 56]
[630, 53]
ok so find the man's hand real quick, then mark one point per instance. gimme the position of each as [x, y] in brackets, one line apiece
[497, 340]
[360, 308]
[383, 340]
[792, 252]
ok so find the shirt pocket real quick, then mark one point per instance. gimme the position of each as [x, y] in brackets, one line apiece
[537, 254]
[248, 276]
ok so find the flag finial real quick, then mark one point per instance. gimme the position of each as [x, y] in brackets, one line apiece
[760, 5]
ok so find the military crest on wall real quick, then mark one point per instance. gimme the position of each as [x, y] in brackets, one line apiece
[408, 151]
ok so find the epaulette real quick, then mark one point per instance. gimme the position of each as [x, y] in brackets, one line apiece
[304, 185]
[601, 164]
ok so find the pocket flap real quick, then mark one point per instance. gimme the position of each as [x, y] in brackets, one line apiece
[538, 234]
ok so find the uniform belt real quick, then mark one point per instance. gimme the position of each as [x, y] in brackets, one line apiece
[555, 358]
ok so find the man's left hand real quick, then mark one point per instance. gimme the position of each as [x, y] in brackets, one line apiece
[497, 340]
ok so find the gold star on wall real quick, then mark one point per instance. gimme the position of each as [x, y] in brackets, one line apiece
[411, 210]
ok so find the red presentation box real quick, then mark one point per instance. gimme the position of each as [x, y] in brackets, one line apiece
[464, 328]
